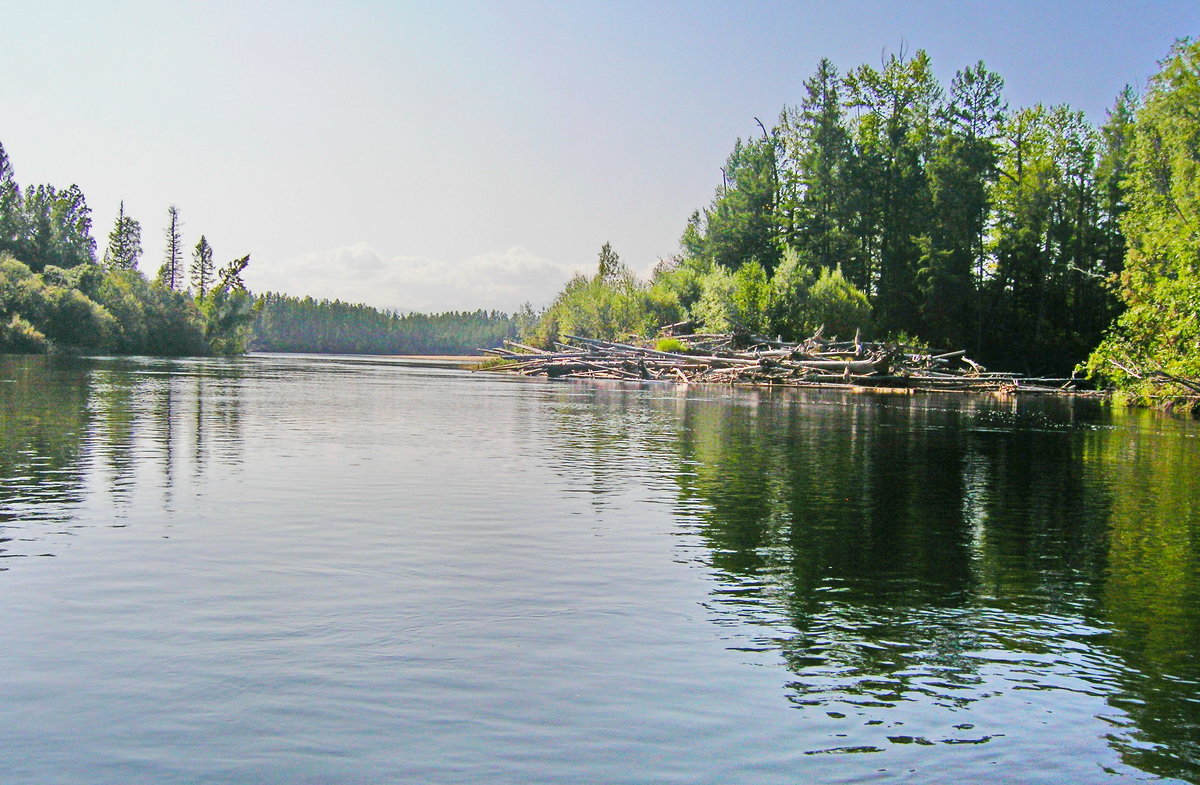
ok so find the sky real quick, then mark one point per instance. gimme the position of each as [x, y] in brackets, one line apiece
[457, 155]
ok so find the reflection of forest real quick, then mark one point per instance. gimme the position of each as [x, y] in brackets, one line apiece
[892, 534]
[44, 411]
[75, 427]
[880, 545]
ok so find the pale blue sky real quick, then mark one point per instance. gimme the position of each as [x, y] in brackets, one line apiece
[468, 154]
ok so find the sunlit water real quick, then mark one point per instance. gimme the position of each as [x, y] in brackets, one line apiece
[325, 570]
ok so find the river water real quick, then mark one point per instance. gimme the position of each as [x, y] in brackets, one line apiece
[303, 569]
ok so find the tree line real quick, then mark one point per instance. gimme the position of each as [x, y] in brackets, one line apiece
[56, 294]
[890, 201]
[293, 324]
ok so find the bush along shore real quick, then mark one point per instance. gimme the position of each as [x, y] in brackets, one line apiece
[742, 358]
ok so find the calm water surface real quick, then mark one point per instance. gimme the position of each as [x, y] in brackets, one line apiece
[325, 570]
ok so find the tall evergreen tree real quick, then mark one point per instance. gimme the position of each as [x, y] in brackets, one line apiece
[37, 224]
[894, 136]
[202, 267]
[124, 243]
[170, 274]
[815, 151]
[11, 219]
[960, 172]
[1112, 172]
[741, 224]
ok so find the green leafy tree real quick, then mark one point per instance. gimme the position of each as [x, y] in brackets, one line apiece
[1157, 339]
[71, 222]
[733, 301]
[838, 304]
[124, 243]
[788, 309]
[610, 267]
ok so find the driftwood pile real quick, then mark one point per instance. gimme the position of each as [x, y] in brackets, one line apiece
[747, 359]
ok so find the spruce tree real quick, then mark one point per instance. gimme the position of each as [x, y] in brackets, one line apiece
[170, 274]
[229, 279]
[11, 222]
[124, 243]
[202, 267]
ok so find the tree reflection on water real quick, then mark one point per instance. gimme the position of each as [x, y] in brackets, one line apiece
[931, 557]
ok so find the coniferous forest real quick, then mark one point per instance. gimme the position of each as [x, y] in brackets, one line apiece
[937, 213]
[292, 324]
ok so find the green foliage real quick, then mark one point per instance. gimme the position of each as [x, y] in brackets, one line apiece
[714, 311]
[959, 220]
[291, 324]
[84, 309]
[751, 292]
[202, 269]
[59, 298]
[1160, 331]
[598, 308]
[741, 224]
[670, 345]
[801, 301]
[838, 304]
[733, 301]
[124, 243]
[613, 304]
[18, 336]
[228, 316]
[788, 311]
[678, 282]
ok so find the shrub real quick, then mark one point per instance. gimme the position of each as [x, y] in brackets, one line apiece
[18, 336]
[670, 345]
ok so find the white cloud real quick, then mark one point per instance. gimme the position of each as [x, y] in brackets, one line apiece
[358, 273]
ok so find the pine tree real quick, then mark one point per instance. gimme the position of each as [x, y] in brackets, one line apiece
[202, 267]
[124, 243]
[894, 138]
[609, 267]
[815, 150]
[170, 274]
[229, 279]
[11, 223]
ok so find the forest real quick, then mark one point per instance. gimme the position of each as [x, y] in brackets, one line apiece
[292, 324]
[56, 295]
[937, 214]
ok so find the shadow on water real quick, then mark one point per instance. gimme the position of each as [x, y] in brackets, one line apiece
[931, 558]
